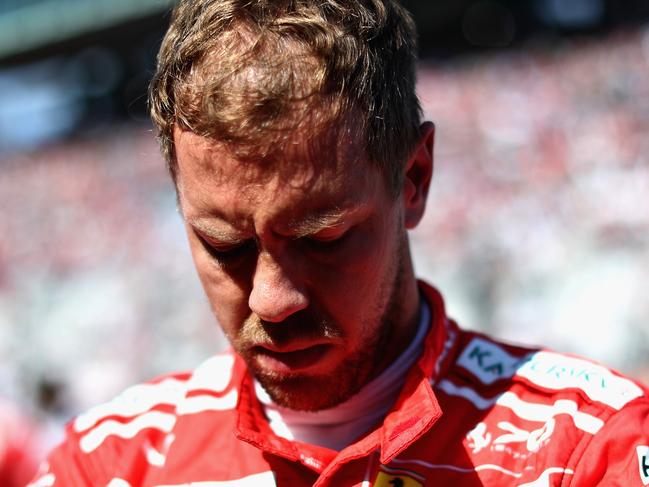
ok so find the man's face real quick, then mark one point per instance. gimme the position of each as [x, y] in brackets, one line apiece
[302, 263]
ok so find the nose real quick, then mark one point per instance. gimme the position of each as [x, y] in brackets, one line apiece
[275, 294]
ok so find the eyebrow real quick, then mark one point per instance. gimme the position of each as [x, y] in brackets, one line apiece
[303, 227]
[215, 232]
[315, 223]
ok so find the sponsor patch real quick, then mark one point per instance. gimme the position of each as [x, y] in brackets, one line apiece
[397, 477]
[489, 362]
[478, 438]
[524, 442]
[643, 463]
[556, 371]
[534, 440]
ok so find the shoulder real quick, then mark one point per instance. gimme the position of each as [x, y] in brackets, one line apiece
[157, 402]
[131, 430]
[485, 365]
[566, 413]
[481, 369]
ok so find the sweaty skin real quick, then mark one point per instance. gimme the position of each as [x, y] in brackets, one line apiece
[305, 263]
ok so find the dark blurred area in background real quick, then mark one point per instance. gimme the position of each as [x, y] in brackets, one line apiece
[67, 65]
[71, 64]
[537, 229]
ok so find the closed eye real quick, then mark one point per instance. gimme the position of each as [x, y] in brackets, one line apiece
[227, 254]
[327, 241]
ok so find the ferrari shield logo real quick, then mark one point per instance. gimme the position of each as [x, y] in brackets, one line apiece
[393, 477]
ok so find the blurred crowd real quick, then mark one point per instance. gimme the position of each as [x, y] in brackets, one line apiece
[537, 230]
[539, 217]
[97, 289]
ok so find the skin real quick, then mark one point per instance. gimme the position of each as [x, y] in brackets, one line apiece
[306, 263]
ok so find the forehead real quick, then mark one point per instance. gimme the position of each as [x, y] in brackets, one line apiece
[305, 152]
[212, 178]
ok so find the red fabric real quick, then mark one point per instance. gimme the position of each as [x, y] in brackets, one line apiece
[472, 411]
[18, 447]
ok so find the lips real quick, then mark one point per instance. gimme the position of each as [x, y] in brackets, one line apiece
[291, 360]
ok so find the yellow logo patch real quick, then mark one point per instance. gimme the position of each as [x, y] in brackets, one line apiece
[396, 479]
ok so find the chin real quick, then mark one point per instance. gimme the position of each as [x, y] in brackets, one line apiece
[311, 393]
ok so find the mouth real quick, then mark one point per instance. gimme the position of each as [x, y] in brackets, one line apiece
[291, 360]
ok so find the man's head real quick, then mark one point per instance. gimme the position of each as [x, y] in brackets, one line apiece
[251, 73]
[292, 132]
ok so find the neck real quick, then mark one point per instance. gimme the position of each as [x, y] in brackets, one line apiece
[403, 313]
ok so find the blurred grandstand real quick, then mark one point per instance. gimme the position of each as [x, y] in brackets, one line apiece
[537, 229]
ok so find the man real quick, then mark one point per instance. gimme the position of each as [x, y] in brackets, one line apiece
[293, 135]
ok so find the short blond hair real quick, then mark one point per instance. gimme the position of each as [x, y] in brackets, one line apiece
[248, 73]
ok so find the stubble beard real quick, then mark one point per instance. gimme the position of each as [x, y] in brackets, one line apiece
[317, 392]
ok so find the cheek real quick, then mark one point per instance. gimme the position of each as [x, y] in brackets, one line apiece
[357, 286]
[228, 298]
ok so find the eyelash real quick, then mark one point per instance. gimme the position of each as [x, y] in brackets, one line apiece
[232, 255]
[228, 256]
[331, 244]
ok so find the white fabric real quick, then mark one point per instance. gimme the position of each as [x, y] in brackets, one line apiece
[339, 426]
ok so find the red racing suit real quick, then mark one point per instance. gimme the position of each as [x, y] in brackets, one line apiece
[472, 412]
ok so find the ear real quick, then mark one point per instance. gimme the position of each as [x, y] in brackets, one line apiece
[419, 173]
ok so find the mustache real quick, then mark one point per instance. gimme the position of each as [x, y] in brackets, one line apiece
[301, 326]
